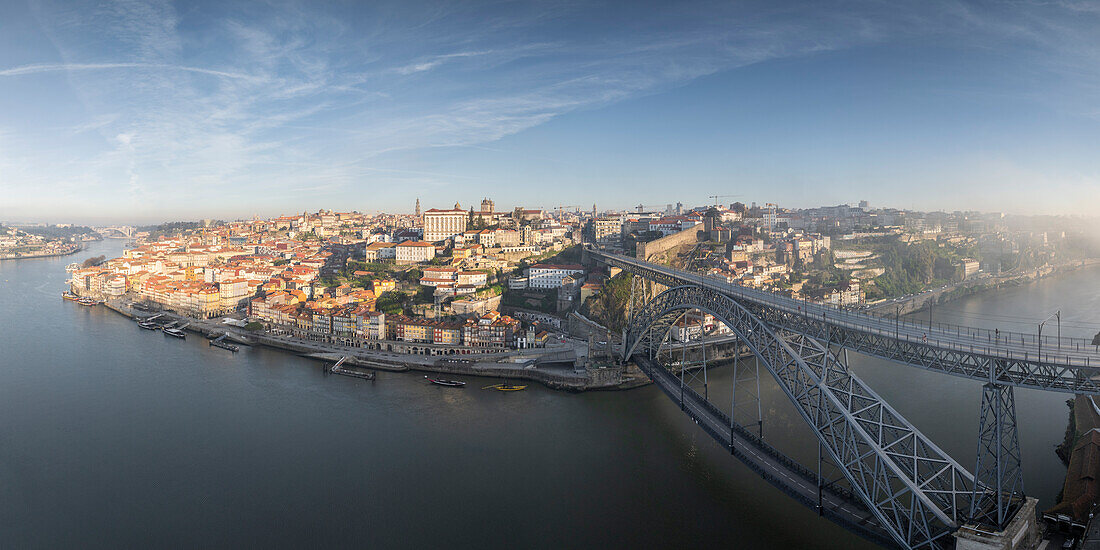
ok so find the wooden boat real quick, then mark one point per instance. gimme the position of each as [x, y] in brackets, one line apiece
[448, 383]
[504, 387]
[70, 296]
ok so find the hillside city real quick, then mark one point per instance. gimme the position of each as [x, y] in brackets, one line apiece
[486, 280]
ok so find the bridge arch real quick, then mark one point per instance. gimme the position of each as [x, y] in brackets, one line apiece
[915, 490]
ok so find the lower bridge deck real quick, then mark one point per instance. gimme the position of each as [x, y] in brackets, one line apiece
[794, 479]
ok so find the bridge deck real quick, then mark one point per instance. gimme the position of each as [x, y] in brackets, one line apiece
[792, 478]
[963, 351]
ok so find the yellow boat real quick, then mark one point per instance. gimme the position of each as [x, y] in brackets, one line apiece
[504, 387]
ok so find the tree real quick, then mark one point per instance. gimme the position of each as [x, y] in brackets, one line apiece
[391, 302]
[95, 260]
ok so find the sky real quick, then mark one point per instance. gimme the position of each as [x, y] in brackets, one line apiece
[145, 111]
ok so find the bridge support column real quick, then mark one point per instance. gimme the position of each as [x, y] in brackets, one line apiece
[1021, 533]
[998, 477]
[747, 377]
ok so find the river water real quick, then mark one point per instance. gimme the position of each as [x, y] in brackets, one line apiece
[113, 436]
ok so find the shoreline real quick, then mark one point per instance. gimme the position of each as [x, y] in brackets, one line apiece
[484, 365]
[50, 255]
[964, 289]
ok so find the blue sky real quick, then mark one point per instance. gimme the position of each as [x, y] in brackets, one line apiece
[144, 111]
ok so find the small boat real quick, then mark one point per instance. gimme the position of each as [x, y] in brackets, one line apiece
[174, 332]
[70, 296]
[504, 387]
[87, 301]
[148, 325]
[219, 343]
[448, 383]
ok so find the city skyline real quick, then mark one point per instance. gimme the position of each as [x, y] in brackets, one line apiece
[143, 112]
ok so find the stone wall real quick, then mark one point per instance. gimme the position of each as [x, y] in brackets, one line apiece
[687, 236]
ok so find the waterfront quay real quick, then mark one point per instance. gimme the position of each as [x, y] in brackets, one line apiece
[558, 366]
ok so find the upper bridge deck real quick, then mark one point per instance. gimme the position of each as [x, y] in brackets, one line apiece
[1068, 365]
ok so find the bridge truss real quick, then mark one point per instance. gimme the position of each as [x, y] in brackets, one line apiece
[918, 494]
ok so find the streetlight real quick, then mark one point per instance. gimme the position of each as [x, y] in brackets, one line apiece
[1058, 315]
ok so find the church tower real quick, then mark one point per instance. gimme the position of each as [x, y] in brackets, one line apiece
[418, 207]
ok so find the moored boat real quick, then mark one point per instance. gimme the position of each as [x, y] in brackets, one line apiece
[504, 387]
[70, 296]
[448, 383]
[174, 332]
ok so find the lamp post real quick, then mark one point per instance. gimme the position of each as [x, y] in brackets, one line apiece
[1056, 315]
[897, 321]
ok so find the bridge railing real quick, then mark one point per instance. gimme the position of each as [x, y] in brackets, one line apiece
[1073, 352]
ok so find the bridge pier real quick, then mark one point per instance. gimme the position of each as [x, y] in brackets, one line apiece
[998, 476]
[1021, 532]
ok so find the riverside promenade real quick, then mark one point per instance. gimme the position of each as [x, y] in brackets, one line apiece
[557, 367]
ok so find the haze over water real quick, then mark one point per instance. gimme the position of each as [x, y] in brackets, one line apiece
[111, 436]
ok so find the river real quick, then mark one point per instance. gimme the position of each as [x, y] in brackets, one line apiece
[111, 436]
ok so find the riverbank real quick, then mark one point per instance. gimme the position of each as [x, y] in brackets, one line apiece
[42, 255]
[515, 365]
[971, 287]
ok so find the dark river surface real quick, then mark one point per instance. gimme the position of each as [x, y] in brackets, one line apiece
[111, 436]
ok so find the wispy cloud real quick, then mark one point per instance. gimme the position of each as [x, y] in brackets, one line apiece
[60, 67]
[295, 97]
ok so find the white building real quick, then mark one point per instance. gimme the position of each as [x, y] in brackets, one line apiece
[441, 225]
[548, 276]
[414, 252]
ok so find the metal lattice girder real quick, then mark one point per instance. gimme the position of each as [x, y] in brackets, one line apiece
[1000, 481]
[918, 492]
[972, 358]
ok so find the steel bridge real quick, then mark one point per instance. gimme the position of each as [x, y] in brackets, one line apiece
[903, 488]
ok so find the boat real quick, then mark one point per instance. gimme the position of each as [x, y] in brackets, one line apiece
[70, 296]
[87, 301]
[448, 383]
[174, 332]
[504, 387]
[148, 325]
[224, 345]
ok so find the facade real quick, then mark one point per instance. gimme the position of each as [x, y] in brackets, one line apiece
[377, 251]
[970, 267]
[414, 252]
[549, 276]
[440, 225]
[607, 230]
[492, 331]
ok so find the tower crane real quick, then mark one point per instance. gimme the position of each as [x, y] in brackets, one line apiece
[716, 197]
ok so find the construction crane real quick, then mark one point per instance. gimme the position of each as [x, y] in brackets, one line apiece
[642, 207]
[560, 208]
[716, 197]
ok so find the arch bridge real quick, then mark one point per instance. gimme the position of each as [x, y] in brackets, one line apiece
[902, 489]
